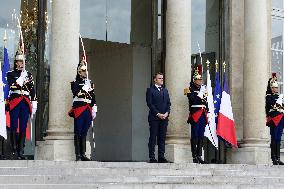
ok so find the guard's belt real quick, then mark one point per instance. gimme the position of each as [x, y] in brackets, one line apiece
[20, 92]
[76, 99]
[279, 110]
[198, 106]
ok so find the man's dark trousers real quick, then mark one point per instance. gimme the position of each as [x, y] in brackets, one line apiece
[158, 130]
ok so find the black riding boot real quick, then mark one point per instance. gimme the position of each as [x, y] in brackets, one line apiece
[13, 142]
[83, 149]
[194, 150]
[199, 151]
[21, 146]
[77, 147]
[278, 154]
[2, 146]
[273, 147]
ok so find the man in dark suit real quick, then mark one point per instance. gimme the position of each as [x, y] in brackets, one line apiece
[158, 101]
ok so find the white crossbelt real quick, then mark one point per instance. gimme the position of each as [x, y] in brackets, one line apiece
[198, 106]
[20, 92]
[76, 99]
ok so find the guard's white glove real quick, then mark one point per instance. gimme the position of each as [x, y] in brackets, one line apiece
[280, 99]
[34, 107]
[88, 82]
[20, 81]
[202, 92]
[94, 111]
[87, 86]
[24, 74]
[203, 88]
[210, 115]
[22, 78]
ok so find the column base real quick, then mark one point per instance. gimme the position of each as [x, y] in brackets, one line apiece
[178, 153]
[249, 154]
[58, 146]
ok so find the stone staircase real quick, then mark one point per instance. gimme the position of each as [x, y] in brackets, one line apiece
[137, 175]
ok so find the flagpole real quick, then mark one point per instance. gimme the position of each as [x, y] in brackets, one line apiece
[85, 57]
[5, 38]
[224, 144]
[199, 53]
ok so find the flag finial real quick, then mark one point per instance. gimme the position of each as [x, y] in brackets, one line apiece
[224, 66]
[216, 65]
[208, 63]
[5, 37]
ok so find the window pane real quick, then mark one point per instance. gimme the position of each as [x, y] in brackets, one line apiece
[198, 21]
[8, 24]
[101, 18]
[93, 19]
[119, 16]
[277, 3]
[277, 32]
[159, 27]
[277, 66]
[159, 6]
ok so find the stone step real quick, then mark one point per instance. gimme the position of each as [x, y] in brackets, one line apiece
[133, 165]
[36, 174]
[139, 172]
[34, 167]
[76, 179]
[144, 186]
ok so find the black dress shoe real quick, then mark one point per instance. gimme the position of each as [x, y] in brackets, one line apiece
[78, 158]
[280, 162]
[195, 160]
[153, 160]
[274, 161]
[201, 161]
[163, 160]
[21, 156]
[84, 158]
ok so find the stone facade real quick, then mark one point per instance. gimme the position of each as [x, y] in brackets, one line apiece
[249, 63]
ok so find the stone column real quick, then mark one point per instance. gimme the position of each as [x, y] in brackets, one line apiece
[58, 145]
[255, 149]
[177, 76]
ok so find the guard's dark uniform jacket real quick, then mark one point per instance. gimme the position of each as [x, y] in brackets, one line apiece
[82, 100]
[19, 93]
[275, 119]
[197, 118]
[197, 106]
[274, 112]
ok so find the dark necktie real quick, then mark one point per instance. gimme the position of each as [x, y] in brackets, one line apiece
[161, 91]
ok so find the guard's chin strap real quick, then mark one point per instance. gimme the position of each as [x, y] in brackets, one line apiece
[83, 77]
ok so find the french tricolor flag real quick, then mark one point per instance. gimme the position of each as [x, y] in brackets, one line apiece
[226, 125]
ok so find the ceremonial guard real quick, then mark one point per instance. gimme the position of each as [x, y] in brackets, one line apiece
[197, 99]
[275, 120]
[84, 109]
[22, 103]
